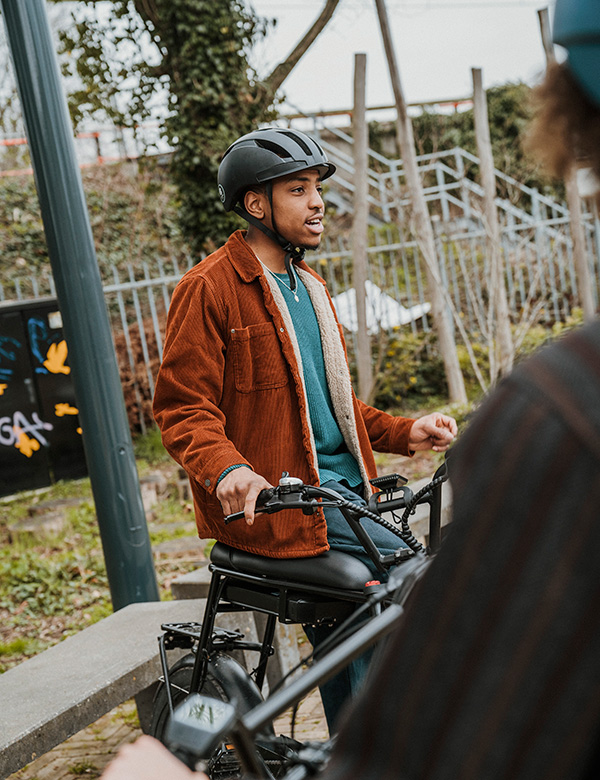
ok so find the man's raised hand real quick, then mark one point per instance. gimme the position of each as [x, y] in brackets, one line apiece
[433, 432]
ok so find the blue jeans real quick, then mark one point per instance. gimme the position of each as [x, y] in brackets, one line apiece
[340, 536]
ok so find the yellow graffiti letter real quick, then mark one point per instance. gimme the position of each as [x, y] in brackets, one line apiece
[25, 445]
[61, 409]
[55, 359]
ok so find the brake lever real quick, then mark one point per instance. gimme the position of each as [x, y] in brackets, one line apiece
[262, 500]
[274, 500]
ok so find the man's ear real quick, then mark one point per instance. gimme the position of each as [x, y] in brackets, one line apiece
[255, 204]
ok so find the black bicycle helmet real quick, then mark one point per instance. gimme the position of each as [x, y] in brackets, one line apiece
[264, 155]
[259, 158]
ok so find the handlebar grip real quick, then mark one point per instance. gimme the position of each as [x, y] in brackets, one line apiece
[265, 495]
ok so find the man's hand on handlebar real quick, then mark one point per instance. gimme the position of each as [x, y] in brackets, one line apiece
[432, 432]
[239, 490]
[148, 759]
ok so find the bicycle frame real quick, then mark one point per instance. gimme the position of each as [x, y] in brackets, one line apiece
[284, 591]
[242, 730]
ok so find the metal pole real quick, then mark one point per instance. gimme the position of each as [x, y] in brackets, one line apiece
[106, 436]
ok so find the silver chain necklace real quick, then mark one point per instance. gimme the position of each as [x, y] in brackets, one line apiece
[274, 275]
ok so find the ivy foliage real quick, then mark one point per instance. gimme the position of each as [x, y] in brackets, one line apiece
[110, 63]
[188, 58]
[133, 215]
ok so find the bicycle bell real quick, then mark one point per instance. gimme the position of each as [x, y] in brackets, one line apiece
[289, 484]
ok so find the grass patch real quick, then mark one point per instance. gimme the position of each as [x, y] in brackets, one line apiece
[83, 768]
[166, 534]
[53, 586]
[55, 575]
[127, 714]
[15, 647]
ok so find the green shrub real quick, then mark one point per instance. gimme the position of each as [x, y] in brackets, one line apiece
[149, 447]
[411, 372]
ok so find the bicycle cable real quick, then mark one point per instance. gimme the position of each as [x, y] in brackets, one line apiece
[403, 533]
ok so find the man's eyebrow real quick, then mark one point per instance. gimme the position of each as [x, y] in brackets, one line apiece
[299, 177]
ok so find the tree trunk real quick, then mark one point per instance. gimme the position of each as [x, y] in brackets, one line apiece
[500, 336]
[359, 227]
[283, 70]
[422, 221]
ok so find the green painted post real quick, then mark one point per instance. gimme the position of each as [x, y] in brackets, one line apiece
[106, 436]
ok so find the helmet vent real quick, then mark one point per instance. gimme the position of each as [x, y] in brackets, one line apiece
[300, 141]
[271, 147]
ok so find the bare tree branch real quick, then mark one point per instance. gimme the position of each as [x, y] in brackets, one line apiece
[283, 70]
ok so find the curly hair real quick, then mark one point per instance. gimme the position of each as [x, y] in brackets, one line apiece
[566, 124]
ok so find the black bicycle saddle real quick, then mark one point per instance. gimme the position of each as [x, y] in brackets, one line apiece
[332, 569]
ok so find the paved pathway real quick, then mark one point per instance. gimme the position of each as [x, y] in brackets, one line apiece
[87, 753]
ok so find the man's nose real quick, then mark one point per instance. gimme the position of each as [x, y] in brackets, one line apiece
[316, 200]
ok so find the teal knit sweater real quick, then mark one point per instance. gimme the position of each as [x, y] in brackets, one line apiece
[334, 459]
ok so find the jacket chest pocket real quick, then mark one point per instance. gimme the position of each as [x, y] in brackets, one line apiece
[258, 361]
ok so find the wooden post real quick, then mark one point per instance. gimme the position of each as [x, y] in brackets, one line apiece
[359, 227]
[422, 221]
[500, 335]
[582, 269]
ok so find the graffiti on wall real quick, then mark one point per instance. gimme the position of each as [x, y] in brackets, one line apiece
[17, 429]
[8, 355]
[26, 435]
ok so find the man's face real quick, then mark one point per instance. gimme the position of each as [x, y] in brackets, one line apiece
[298, 207]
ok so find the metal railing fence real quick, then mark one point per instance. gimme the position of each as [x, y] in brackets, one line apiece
[536, 244]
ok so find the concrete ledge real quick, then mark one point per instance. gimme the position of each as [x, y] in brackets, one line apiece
[52, 696]
[193, 585]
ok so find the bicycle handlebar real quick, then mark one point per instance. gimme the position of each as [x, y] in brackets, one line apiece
[292, 493]
[305, 497]
[265, 495]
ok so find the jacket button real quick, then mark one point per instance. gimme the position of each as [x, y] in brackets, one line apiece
[207, 482]
[281, 330]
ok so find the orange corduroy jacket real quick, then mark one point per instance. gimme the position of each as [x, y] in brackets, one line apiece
[230, 391]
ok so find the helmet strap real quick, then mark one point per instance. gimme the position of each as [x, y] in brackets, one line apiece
[292, 253]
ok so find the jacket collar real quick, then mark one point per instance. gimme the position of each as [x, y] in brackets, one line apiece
[242, 258]
[245, 261]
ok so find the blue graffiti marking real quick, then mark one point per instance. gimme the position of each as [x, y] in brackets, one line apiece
[7, 354]
[40, 342]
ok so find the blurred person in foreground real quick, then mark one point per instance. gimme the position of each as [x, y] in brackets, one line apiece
[502, 678]
[496, 671]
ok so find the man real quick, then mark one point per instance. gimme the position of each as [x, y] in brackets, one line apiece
[496, 671]
[255, 380]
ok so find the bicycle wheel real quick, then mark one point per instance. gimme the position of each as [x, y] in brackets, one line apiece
[225, 680]
[180, 676]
